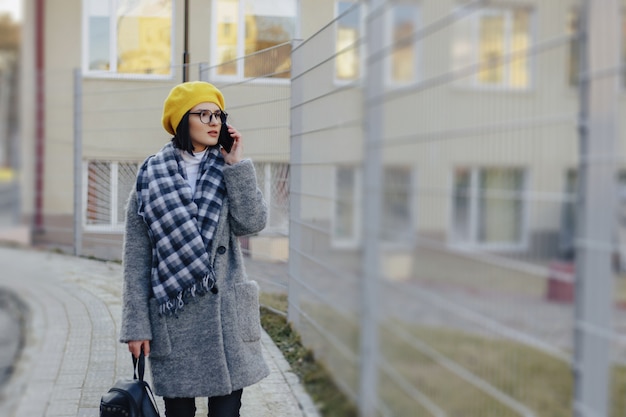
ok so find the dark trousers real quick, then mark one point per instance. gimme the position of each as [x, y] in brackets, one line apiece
[224, 406]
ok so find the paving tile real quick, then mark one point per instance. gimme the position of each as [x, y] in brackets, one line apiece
[88, 412]
[62, 409]
[72, 356]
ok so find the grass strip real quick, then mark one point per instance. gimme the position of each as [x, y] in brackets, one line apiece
[328, 398]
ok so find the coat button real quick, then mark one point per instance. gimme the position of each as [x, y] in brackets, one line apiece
[221, 250]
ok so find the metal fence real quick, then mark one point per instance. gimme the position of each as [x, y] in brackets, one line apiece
[441, 152]
[445, 181]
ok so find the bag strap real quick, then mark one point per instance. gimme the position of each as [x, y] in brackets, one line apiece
[152, 399]
[139, 366]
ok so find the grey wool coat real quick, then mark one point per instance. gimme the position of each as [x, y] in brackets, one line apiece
[212, 347]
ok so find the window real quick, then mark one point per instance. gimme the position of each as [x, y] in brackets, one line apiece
[397, 219]
[488, 207]
[347, 41]
[402, 61]
[568, 216]
[245, 27]
[346, 203]
[108, 187]
[128, 36]
[497, 42]
[574, 48]
[273, 180]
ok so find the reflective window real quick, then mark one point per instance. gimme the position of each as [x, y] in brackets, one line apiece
[488, 206]
[128, 36]
[574, 48]
[346, 205]
[497, 41]
[108, 187]
[252, 38]
[273, 180]
[397, 222]
[402, 61]
[348, 33]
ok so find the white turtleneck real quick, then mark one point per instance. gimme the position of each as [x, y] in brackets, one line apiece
[192, 166]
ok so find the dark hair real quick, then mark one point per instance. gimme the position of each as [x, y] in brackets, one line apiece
[182, 139]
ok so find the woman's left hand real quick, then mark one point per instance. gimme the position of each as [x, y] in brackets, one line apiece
[236, 152]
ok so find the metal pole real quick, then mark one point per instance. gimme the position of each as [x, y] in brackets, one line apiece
[599, 40]
[5, 91]
[40, 114]
[372, 177]
[295, 187]
[14, 156]
[78, 162]
[186, 46]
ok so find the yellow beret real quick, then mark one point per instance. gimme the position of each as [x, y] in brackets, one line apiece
[183, 97]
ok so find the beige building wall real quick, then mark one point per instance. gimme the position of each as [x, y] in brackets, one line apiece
[449, 125]
[122, 114]
[430, 118]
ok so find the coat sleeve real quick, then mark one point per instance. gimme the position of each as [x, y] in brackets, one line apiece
[247, 208]
[137, 265]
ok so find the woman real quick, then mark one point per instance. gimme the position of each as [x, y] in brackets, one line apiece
[187, 302]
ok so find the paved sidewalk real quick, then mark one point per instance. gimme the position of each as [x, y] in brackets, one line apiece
[71, 355]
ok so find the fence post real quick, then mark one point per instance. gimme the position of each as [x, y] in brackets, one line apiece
[14, 157]
[295, 187]
[599, 36]
[372, 177]
[5, 89]
[78, 162]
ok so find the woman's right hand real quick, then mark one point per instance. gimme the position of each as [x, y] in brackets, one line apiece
[135, 347]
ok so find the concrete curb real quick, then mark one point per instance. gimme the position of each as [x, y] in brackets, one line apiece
[304, 399]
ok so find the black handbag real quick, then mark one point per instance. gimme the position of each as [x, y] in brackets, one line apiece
[130, 397]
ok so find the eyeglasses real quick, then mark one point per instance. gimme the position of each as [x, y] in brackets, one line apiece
[206, 116]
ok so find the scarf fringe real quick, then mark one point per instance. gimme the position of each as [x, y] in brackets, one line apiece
[200, 288]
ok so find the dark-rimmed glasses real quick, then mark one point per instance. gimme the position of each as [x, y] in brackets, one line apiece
[206, 116]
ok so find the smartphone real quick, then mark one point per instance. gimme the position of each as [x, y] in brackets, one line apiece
[225, 139]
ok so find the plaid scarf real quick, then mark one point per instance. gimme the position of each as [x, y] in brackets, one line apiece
[181, 225]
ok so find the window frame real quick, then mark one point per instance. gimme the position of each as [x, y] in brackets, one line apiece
[88, 73]
[265, 183]
[473, 241]
[572, 65]
[241, 30]
[115, 225]
[361, 47]
[389, 42]
[408, 236]
[353, 241]
[472, 82]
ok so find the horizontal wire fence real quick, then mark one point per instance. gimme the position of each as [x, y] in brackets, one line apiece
[119, 125]
[421, 165]
[258, 106]
[473, 165]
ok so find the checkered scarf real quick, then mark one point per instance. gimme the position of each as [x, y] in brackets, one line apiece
[180, 224]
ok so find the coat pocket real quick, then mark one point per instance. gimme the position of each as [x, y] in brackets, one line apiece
[160, 346]
[248, 315]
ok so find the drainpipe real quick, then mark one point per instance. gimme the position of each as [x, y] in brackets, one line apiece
[186, 45]
[39, 114]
